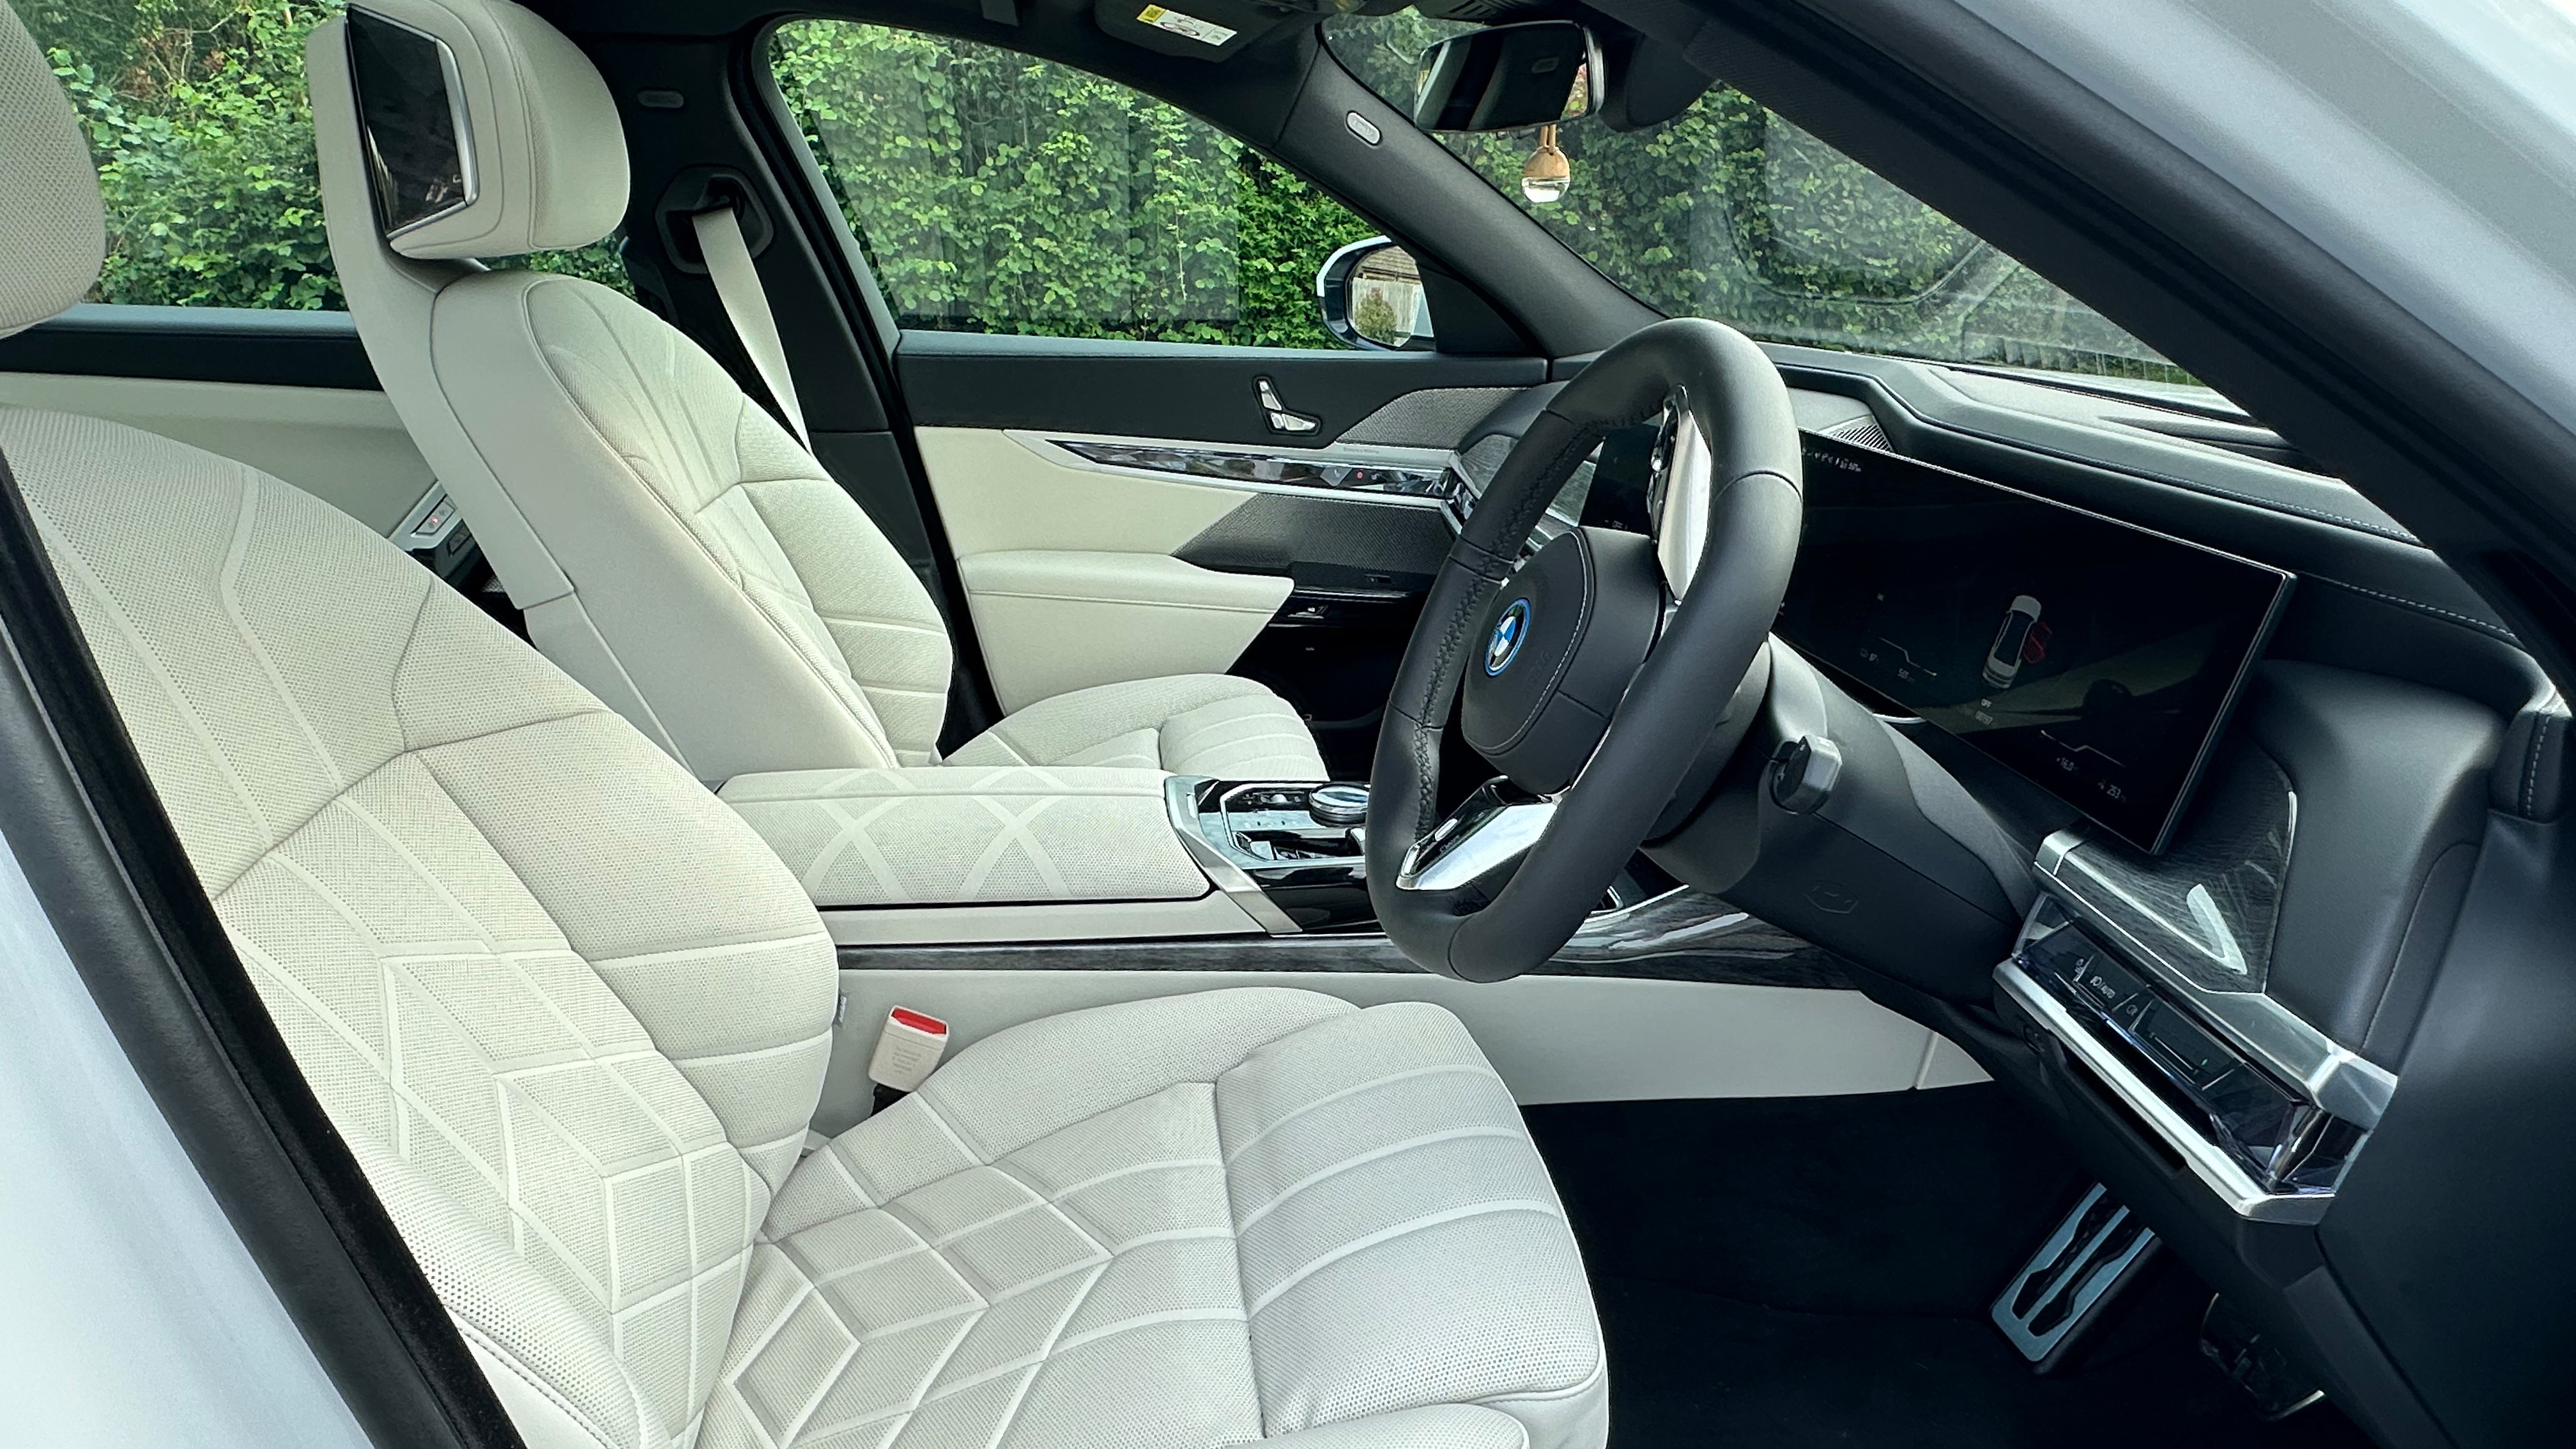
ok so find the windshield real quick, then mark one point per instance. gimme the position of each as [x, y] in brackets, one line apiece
[1729, 211]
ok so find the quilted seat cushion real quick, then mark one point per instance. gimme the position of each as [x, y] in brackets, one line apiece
[1190, 1221]
[1188, 724]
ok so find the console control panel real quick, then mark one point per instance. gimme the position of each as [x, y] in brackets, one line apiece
[2264, 1142]
[1282, 852]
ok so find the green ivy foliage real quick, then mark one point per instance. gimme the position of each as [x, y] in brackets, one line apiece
[997, 193]
[196, 113]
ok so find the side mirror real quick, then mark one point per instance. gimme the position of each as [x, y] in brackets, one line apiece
[1371, 296]
[1509, 78]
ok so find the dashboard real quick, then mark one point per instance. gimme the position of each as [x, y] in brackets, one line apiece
[2254, 755]
[2272, 788]
[2096, 658]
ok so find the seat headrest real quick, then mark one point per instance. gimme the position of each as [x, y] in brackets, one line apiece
[52, 234]
[549, 154]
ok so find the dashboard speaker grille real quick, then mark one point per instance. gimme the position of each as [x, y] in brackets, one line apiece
[1860, 432]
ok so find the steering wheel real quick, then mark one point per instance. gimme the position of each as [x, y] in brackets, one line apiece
[1593, 673]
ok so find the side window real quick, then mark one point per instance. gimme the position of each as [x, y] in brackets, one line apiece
[196, 113]
[993, 192]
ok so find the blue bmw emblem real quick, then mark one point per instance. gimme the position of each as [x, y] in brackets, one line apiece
[1509, 631]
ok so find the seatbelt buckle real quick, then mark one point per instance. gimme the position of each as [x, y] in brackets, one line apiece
[907, 1049]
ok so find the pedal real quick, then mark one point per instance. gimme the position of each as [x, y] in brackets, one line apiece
[2048, 1308]
[2278, 1386]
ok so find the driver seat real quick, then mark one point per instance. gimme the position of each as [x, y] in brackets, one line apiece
[571, 1017]
[672, 546]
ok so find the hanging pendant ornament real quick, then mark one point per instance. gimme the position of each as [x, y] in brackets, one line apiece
[1548, 173]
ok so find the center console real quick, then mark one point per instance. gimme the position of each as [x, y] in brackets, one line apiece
[1289, 854]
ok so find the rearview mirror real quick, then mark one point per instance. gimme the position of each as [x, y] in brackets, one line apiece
[1371, 296]
[1509, 78]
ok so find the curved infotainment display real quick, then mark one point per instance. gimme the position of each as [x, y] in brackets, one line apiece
[2096, 658]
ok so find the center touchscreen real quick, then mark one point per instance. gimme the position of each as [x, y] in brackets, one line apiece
[2096, 658]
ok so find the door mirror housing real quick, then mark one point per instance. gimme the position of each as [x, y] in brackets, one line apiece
[1371, 296]
[1509, 78]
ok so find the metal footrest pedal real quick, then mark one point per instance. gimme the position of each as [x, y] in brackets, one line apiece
[2049, 1308]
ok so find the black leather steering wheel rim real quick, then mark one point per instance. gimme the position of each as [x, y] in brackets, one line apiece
[1734, 393]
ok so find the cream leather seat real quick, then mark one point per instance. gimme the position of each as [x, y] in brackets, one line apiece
[674, 548]
[572, 1018]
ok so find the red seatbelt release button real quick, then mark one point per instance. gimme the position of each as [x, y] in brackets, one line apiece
[907, 1049]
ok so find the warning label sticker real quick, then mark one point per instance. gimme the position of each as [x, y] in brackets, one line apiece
[1205, 32]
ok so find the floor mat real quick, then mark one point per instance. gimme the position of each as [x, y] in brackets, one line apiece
[1793, 1272]
[1692, 1369]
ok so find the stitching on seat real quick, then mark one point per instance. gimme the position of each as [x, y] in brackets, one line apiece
[974, 1154]
[402, 664]
[1037, 1363]
[1144, 1321]
[1576, 1390]
[732, 571]
[227, 582]
[510, 1361]
[1403, 1229]
[1393, 1149]
[864, 621]
[69, 560]
[706, 953]
[1445, 1069]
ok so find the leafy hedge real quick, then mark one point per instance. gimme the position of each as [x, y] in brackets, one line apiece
[997, 193]
[196, 112]
[994, 192]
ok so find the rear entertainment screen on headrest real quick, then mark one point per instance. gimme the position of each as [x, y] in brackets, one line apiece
[418, 163]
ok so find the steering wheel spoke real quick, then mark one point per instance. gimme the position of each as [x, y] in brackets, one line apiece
[1486, 837]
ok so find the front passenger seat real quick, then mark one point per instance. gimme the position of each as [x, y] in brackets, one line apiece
[571, 1018]
[672, 546]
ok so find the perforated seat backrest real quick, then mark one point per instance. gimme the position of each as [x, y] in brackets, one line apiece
[674, 548]
[571, 1016]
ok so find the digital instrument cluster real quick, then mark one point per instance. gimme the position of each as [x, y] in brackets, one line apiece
[2094, 657]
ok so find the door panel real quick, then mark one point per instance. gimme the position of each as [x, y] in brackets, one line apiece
[1052, 444]
[1184, 390]
[1056, 620]
[343, 446]
[998, 493]
[1089, 556]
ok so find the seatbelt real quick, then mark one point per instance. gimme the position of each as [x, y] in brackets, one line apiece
[746, 305]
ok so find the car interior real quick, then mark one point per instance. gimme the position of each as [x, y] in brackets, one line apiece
[773, 871]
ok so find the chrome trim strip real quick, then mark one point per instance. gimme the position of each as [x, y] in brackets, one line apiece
[1045, 443]
[2216, 1170]
[1180, 802]
[2335, 1079]
[1446, 860]
[1679, 498]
